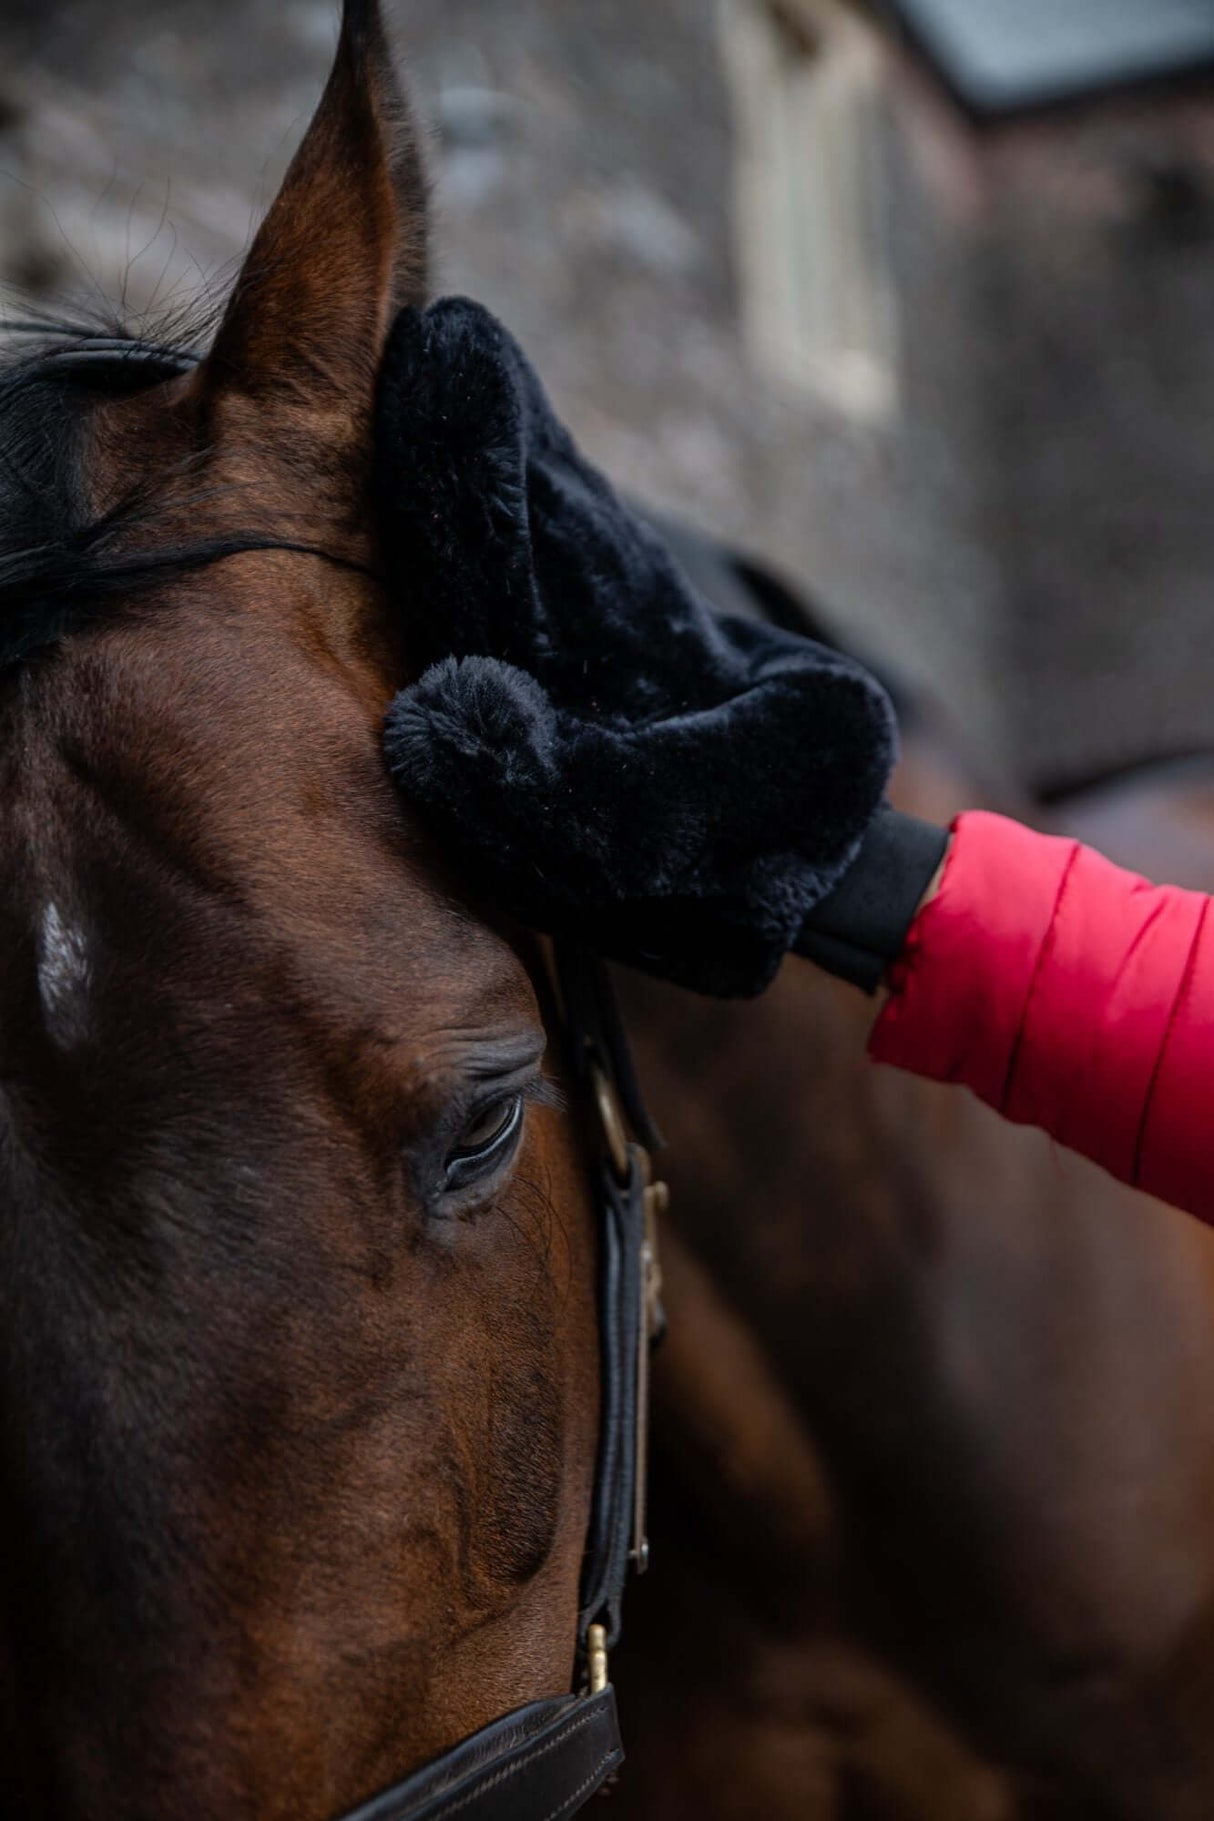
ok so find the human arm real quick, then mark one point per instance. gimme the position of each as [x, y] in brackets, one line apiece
[1068, 995]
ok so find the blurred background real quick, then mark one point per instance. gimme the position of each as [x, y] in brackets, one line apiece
[913, 299]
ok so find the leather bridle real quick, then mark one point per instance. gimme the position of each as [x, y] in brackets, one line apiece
[545, 1761]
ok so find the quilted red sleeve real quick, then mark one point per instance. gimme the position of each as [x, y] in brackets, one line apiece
[1069, 995]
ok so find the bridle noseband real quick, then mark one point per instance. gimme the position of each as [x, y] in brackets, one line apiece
[545, 1761]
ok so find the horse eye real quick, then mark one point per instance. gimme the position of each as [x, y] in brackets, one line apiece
[485, 1142]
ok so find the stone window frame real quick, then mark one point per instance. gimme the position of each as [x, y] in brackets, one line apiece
[818, 299]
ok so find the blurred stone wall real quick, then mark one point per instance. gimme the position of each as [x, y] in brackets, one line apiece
[1100, 379]
[1028, 540]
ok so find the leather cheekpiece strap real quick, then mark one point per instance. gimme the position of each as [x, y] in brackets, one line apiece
[540, 1763]
[609, 1543]
[598, 1042]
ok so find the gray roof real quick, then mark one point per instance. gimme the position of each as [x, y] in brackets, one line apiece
[1006, 54]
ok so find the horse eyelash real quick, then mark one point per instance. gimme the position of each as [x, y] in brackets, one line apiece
[544, 1092]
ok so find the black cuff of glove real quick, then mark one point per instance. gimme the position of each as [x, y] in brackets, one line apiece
[860, 929]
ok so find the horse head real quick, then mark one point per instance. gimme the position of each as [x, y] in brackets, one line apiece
[298, 1351]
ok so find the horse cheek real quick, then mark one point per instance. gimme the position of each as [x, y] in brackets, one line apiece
[526, 1449]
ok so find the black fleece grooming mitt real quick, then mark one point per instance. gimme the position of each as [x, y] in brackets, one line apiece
[606, 757]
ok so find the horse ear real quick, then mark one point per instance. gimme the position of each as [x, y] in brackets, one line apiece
[341, 250]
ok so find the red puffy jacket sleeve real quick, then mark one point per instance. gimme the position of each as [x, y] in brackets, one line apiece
[1069, 995]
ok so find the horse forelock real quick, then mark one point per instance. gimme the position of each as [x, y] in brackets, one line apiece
[69, 559]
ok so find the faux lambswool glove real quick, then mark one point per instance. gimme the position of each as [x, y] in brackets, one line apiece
[606, 757]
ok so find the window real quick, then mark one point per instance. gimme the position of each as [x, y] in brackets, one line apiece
[817, 292]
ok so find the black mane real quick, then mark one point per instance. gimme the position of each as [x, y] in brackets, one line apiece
[58, 563]
[61, 565]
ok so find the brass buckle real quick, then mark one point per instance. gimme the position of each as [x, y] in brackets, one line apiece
[596, 1658]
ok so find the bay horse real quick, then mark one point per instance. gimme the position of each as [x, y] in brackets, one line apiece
[299, 1361]
[299, 1357]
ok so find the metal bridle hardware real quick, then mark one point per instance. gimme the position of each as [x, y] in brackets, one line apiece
[598, 1671]
[549, 1759]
